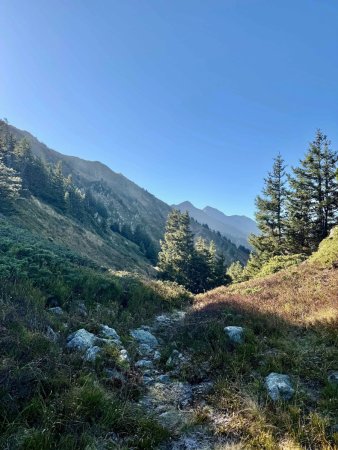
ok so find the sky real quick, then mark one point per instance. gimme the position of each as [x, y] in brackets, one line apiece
[190, 99]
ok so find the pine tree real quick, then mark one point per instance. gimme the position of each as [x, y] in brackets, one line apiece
[313, 199]
[270, 214]
[177, 255]
[235, 272]
[10, 185]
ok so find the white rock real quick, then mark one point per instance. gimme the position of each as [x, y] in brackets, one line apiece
[81, 340]
[235, 333]
[279, 386]
[56, 310]
[144, 337]
[110, 333]
[92, 353]
[123, 356]
[144, 364]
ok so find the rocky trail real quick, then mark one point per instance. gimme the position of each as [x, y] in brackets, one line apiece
[179, 406]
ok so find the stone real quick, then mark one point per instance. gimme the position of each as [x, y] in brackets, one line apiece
[56, 310]
[164, 378]
[144, 337]
[279, 386]
[333, 377]
[235, 334]
[81, 310]
[123, 356]
[52, 335]
[110, 333]
[172, 420]
[92, 353]
[176, 360]
[144, 364]
[81, 340]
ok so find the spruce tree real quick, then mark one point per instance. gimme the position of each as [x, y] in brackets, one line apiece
[312, 203]
[270, 212]
[177, 255]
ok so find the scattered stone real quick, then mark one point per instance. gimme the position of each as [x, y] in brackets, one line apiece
[172, 420]
[333, 377]
[92, 353]
[202, 389]
[144, 337]
[110, 333]
[52, 335]
[56, 310]
[235, 334]
[279, 386]
[157, 355]
[144, 364]
[81, 340]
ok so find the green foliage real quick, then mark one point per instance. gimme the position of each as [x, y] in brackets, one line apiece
[294, 220]
[235, 272]
[327, 253]
[277, 263]
[197, 267]
[313, 198]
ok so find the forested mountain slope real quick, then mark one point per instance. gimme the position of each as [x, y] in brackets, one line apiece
[132, 220]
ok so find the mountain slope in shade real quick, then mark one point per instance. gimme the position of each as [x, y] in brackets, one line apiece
[126, 204]
[235, 228]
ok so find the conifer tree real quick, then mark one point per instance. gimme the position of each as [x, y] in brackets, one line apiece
[313, 198]
[270, 214]
[177, 254]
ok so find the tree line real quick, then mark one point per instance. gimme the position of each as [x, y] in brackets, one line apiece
[195, 265]
[296, 210]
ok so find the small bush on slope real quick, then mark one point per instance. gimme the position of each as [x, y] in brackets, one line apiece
[327, 253]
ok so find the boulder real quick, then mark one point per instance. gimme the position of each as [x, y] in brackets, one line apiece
[123, 356]
[109, 333]
[52, 335]
[92, 353]
[81, 340]
[279, 386]
[144, 364]
[144, 337]
[56, 310]
[235, 334]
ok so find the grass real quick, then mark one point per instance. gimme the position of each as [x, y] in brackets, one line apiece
[290, 320]
[50, 398]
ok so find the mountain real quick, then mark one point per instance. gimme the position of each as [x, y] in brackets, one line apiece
[125, 223]
[235, 228]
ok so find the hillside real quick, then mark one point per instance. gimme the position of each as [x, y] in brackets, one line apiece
[128, 207]
[102, 360]
[235, 228]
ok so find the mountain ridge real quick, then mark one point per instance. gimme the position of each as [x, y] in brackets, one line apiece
[235, 227]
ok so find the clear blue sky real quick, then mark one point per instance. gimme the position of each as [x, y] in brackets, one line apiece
[191, 99]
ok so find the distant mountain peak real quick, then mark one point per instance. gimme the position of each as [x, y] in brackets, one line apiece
[235, 227]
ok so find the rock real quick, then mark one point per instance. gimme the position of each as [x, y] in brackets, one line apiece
[157, 355]
[52, 335]
[164, 378]
[81, 340]
[81, 310]
[110, 333]
[202, 389]
[56, 310]
[123, 356]
[144, 337]
[92, 353]
[144, 364]
[235, 334]
[279, 386]
[172, 420]
[333, 377]
[176, 360]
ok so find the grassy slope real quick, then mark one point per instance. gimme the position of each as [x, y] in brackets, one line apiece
[50, 398]
[290, 322]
